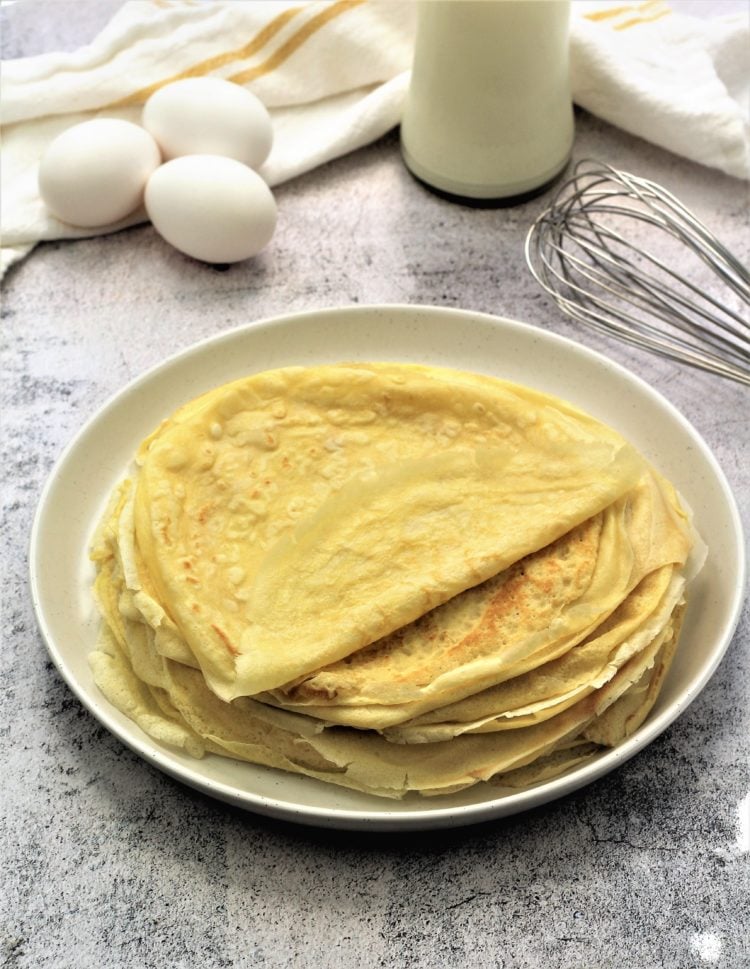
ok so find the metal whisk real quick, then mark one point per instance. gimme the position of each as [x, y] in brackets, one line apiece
[602, 252]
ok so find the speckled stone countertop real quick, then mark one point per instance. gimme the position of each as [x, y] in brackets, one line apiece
[108, 863]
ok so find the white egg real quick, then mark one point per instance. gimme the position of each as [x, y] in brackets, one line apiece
[212, 208]
[95, 172]
[209, 116]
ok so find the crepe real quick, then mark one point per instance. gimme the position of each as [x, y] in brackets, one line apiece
[264, 509]
[516, 622]
[388, 577]
[554, 686]
[183, 712]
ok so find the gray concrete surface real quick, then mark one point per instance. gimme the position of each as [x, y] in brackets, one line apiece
[107, 863]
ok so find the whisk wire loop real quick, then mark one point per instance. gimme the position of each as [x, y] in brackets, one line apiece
[621, 267]
[646, 335]
[587, 253]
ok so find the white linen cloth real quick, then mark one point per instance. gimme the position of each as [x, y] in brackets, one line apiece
[334, 73]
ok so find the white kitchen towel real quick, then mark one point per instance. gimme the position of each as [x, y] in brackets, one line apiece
[679, 81]
[334, 74]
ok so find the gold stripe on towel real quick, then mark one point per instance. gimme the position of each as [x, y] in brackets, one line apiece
[295, 41]
[218, 60]
[633, 22]
[607, 14]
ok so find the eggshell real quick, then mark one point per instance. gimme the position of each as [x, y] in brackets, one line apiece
[209, 116]
[213, 208]
[94, 173]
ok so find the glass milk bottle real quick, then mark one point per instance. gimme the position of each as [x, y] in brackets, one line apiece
[488, 116]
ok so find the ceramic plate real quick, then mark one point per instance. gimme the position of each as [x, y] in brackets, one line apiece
[77, 490]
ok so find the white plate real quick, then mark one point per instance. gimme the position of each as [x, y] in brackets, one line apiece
[78, 488]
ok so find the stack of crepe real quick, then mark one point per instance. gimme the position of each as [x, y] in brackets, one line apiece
[389, 577]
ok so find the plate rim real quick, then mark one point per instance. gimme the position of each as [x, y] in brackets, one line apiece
[384, 820]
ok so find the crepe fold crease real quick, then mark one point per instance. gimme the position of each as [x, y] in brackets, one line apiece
[390, 577]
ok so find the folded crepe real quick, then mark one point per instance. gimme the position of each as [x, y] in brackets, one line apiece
[388, 576]
[183, 712]
[525, 617]
[292, 518]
